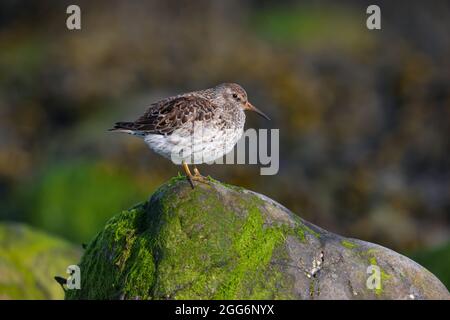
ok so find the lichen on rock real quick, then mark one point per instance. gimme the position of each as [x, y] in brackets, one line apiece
[222, 242]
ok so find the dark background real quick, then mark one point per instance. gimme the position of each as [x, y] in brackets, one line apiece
[363, 115]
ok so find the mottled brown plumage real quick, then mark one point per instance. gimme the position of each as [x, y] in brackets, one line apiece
[165, 116]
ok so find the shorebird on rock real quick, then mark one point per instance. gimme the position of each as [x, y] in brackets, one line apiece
[194, 128]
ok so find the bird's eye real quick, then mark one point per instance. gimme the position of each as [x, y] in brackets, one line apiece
[235, 96]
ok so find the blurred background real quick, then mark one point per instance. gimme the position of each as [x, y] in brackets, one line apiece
[364, 116]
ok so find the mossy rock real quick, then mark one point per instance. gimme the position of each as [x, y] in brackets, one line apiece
[223, 242]
[29, 260]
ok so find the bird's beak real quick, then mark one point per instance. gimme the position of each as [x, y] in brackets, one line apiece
[249, 106]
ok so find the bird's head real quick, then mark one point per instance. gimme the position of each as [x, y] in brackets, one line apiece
[234, 94]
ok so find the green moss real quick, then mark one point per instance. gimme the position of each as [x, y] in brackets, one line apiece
[253, 249]
[300, 232]
[141, 273]
[302, 229]
[186, 244]
[311, 231]
[313, 283]
[383, 274]
[109, 257]
[226, 185]
[172, 181]
[349, 244]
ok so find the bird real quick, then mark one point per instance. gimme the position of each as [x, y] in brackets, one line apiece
[194, 127]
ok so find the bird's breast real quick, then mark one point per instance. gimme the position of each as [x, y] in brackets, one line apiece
[196, 143]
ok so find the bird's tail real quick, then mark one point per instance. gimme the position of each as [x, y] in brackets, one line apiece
[127, 127]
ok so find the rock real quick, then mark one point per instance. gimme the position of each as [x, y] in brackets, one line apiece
[29, 260]
[222, 242]
[437, 260]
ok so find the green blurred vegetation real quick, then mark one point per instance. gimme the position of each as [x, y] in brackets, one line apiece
[308, 25]
[75, 199]
[436, 260]
[29, 260]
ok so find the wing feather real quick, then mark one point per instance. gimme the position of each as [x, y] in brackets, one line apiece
[166, 116]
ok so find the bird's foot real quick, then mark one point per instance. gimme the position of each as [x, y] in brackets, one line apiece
[193, 177]
[190, 180]
[198, 177]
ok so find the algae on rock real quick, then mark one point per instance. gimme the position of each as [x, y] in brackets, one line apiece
[222, 242]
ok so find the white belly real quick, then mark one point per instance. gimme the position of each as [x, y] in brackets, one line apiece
[201, 145]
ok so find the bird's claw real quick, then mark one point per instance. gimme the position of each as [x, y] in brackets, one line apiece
[196, 177]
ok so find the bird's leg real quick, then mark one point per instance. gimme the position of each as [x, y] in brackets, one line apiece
[188, 173]
[196, 172]
[198, 177]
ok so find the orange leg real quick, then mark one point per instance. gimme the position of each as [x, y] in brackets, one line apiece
[198, 177]
[188, 174]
